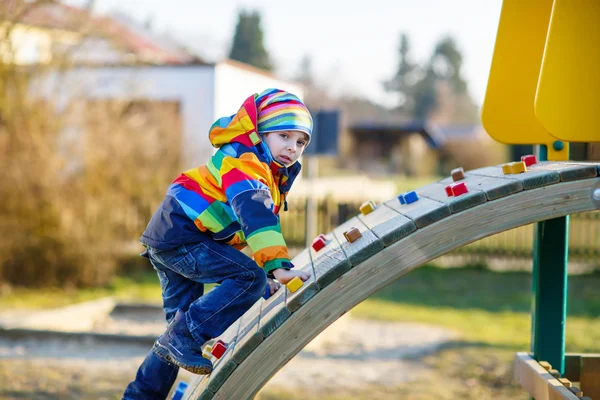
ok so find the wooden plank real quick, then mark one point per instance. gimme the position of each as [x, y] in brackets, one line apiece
[423, 212]
[494, 188]
[572, 366]
[417, 249]
[362, 248]
[435, 191]
[223, 367]
[387, 224]
[330, 262]
[273, 313]
[537, 381]
[568, 171]
[248, 337]
[529, 179]
[308, 289]
[196, 387]
[590, 375]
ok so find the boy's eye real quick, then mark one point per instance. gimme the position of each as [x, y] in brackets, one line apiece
[284, 135]
[302, 143]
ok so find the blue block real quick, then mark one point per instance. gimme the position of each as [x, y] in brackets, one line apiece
[411, 197]
[179, 391]
[402, 199]
[267, 293]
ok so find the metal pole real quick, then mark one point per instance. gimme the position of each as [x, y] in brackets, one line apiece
[549, 285]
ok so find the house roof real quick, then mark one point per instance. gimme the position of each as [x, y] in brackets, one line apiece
[130, 37]
[433, 134]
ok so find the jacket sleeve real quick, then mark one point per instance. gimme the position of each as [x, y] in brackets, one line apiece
[245, 182]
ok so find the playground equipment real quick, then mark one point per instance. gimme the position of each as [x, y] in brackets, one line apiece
[395, 239]
[544, 90]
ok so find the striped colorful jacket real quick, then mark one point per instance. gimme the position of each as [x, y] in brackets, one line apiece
[236, 197]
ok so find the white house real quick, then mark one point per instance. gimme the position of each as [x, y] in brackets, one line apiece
[205, 92]
[118, 60]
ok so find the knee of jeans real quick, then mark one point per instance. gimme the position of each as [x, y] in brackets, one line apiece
[258, 279]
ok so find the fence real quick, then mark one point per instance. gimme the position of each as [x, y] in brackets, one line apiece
[584, 235]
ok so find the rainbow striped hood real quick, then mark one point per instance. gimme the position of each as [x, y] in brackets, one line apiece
[236, 197]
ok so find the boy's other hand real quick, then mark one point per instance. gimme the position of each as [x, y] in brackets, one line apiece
[273, 286]
[284, 275]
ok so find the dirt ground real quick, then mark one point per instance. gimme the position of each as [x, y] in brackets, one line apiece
[352, 354]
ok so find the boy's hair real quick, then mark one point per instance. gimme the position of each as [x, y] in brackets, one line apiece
[279, 110]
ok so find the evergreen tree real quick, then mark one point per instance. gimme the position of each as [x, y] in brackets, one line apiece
[248, 43]
[447, 63]
[404, 80]
[418, 86]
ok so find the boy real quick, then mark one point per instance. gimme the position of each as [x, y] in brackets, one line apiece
[208, 214]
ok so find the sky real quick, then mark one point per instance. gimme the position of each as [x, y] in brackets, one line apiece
[354, 48]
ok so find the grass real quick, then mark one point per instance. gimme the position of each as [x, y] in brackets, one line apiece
[489, 310]
[141, 287]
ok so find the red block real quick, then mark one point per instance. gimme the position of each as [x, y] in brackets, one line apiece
[322, 236]
[459, 188]
[218, 349]
[449, 190]
[318, 243]
[529, 159]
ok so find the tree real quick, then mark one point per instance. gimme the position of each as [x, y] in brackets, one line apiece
[404, 79]
[436, 87]
[248, 43]
[447, 62]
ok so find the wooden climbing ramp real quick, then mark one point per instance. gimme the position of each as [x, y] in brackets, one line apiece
[396, 238]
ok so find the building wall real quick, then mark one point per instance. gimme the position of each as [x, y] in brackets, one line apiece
[191, 86]
[205, 93]
[234, 82]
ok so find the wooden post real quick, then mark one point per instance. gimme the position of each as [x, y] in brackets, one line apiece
[311, 223]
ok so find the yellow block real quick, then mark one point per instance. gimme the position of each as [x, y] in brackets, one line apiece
[295, 284]
[367, 207]
[206, 352]
[508, 108]
[567, 103]
[514, 168]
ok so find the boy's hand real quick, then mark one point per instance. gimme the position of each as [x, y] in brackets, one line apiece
[273, 286]
[284, 275]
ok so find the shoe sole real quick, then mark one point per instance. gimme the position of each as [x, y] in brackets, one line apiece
[162, 352]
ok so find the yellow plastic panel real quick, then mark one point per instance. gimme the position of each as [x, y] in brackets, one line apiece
[568, 94]
[508, 108]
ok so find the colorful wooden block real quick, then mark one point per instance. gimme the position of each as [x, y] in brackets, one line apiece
[323, 237]
[402, 199]
[318, 243]
[554, 373]
[518, 167]
[506, 169]
[218, 349]
[529, 159]
[367, 207]
[206, 352]
[295, 284]
[546, 365]
[411, 197]
[449, 190]
[352, 234]
[457, 174]
[565, 382]
[459, 188]
[514, 168]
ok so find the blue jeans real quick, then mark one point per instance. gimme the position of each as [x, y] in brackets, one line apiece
[183, 272]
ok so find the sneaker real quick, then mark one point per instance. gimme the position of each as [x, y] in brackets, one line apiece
[178, 347]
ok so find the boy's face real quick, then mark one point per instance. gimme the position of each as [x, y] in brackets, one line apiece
[286, 146]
